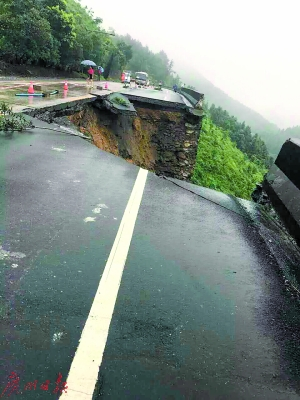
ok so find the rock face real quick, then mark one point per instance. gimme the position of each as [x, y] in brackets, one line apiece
[163, 141]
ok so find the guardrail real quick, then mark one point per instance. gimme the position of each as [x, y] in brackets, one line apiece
[194, 97]
[282, 184]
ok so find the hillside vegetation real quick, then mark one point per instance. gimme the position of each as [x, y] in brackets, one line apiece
[157, 65]
[220, 165]
[55, 34]
[214, 95]
[267, 131]
[240, 133]
[272, 138]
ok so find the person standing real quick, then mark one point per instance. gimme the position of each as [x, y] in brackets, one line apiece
[99, 72]
[127, 79]
[91, 74]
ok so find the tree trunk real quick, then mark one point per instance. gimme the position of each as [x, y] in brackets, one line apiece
[108, 66]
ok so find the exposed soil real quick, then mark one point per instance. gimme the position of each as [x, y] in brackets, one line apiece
[89, 123]
[157, 140]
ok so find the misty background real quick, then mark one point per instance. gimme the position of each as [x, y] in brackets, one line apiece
[249, 49]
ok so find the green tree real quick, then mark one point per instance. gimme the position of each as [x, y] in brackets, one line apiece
[157, 65]
[90, 41]
[25, 33]
[121, 53]
[62, 28]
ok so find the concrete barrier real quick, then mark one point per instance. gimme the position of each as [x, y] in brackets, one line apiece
[195, 98]
[282, 184]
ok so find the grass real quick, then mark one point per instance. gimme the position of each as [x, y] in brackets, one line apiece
[120, 101]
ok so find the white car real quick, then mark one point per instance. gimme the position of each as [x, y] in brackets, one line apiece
[142, 79]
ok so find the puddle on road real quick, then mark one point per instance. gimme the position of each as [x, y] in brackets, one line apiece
[99, 207]
[8, 94]
[90, 219]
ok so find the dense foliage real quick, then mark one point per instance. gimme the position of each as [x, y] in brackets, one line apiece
[56, 33]
[157, 65]
[10, 121]
[267, 131]
[222, 166]
[252, 145]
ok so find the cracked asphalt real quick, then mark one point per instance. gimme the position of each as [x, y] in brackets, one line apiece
[202, 311]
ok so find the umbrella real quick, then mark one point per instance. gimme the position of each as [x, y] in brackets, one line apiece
[88, 62]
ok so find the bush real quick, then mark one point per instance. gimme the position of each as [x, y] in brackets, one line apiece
[223, 167]
[10, 121]
[120, 101]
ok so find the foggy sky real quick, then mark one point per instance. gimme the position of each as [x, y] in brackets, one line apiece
[249, 49]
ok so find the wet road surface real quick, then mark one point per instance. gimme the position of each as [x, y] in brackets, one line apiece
[201, 312]
[150, 92]
[76, 89]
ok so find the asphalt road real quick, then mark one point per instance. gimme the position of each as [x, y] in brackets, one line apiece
[76, 89]
[201, 312]
[144, 92]
[150, 92]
